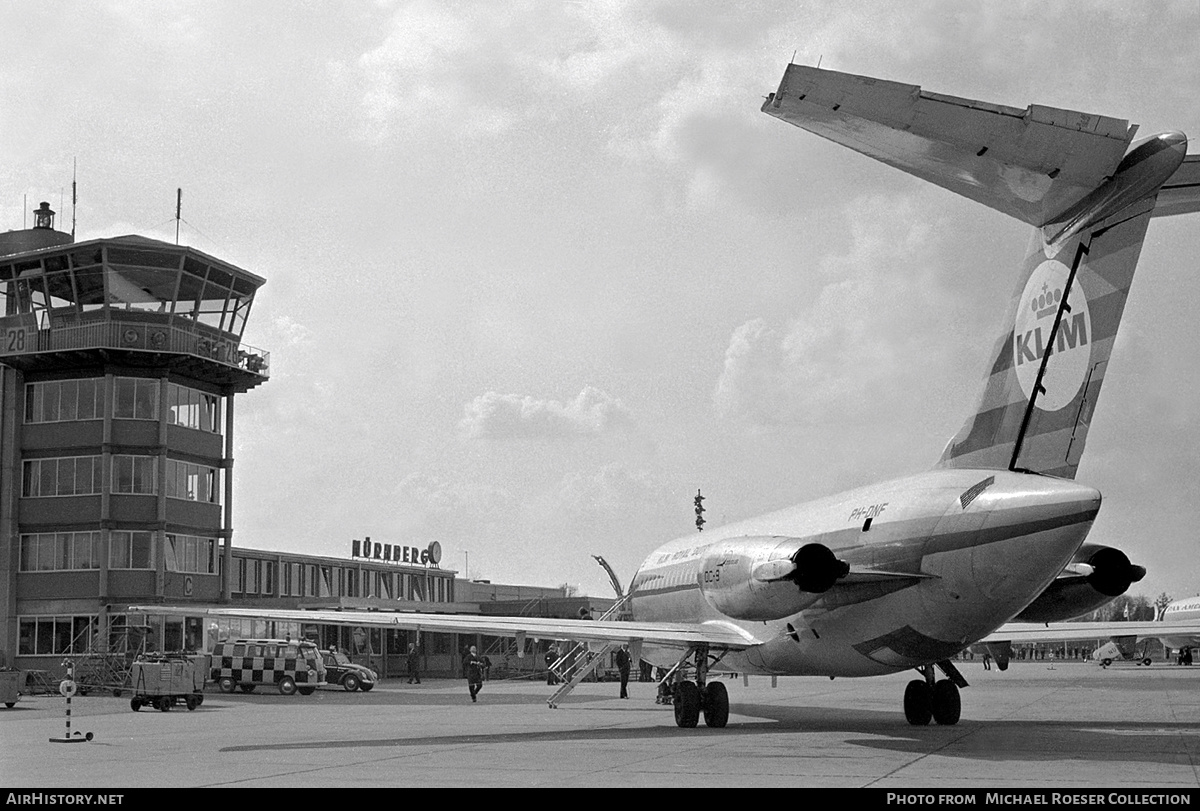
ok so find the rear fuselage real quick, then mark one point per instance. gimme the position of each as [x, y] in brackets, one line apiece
[939, 560]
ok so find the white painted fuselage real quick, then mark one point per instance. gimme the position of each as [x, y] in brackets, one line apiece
[946, 557]
[1186, 610]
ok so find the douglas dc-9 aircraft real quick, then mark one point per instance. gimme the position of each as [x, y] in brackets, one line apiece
[905, 574]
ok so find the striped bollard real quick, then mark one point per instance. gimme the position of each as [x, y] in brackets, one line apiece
[67, 688]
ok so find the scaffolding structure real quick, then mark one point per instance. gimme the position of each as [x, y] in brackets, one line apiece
[111, 668]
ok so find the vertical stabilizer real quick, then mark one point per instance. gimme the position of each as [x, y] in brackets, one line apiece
[1049, 365]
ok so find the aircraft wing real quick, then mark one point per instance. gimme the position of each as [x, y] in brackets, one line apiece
[1019, 632]
[1032, 163]
[718, 635]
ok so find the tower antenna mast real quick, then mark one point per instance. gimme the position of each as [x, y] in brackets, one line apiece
[178, 208]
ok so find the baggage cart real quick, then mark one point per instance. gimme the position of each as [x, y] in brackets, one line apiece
[162, 680]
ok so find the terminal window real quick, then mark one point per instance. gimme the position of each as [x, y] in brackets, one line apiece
[192, 482]
[56, 635]
[60, 551]
[130, 550]
[135, 398]
[190, 553]
[135, 474]
[64, 400]
[190, 408]
[61, 476]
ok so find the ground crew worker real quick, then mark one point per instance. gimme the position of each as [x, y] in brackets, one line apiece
[474, 667]
[623, 669]
[414, 664]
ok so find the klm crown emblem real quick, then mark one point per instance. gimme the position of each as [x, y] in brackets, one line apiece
[1046, 303]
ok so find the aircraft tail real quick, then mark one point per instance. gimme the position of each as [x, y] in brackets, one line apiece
[1090, 198]
[1049, 364]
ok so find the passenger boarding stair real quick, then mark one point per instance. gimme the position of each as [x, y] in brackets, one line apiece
[503, 650]
[580, 661]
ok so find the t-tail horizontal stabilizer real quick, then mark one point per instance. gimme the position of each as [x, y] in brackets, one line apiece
[1071, 175]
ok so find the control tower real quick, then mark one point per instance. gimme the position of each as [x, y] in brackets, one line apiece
[119, 362]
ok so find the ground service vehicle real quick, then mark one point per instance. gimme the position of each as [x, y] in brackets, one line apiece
[288, 664]
[340, 670]
[163, 680]
[10, 687]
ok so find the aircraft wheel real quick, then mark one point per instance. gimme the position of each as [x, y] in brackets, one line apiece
[947, 704]
[687, 704]
[227, 685]
[716, 705]
[918, 703]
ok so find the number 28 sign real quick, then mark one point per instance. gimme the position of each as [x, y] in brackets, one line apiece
[16, 340]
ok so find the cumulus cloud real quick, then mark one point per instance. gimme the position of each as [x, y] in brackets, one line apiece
[613, 492]
[511, 416]
[438, 498]
[861, 344]
[289, 332]
[491, 69]
[400, 75]
[427, 506]
[750, 383]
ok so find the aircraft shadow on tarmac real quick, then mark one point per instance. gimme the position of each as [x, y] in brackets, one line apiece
[438, 696]
[1014, 740]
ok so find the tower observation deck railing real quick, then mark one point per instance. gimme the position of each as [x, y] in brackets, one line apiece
[143, 333]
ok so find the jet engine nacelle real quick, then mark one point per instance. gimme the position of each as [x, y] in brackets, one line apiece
[1094, 576]
[767, 578]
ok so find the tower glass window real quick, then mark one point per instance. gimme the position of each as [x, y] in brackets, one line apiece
[64, 476]
[135, 398]
[59, 551]
[135, 474]
[191, 408]
[64, 400]
[130, 550]
[192, 482]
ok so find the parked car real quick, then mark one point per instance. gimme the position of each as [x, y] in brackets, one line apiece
[340, 670]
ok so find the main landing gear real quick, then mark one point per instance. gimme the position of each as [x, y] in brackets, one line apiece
[928, 698]
[695, 698]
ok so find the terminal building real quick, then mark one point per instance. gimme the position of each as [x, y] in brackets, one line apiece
[120, 361]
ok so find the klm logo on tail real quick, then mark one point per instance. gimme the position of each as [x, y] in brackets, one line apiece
[1070, 357]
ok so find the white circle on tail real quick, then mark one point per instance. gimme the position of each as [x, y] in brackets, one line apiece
[1072, 353]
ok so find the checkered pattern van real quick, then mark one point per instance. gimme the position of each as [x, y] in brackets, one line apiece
[288, 664]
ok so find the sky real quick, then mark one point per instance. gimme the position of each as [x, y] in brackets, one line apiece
[537, 272]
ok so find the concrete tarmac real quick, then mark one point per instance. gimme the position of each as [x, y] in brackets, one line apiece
[1050, 725]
